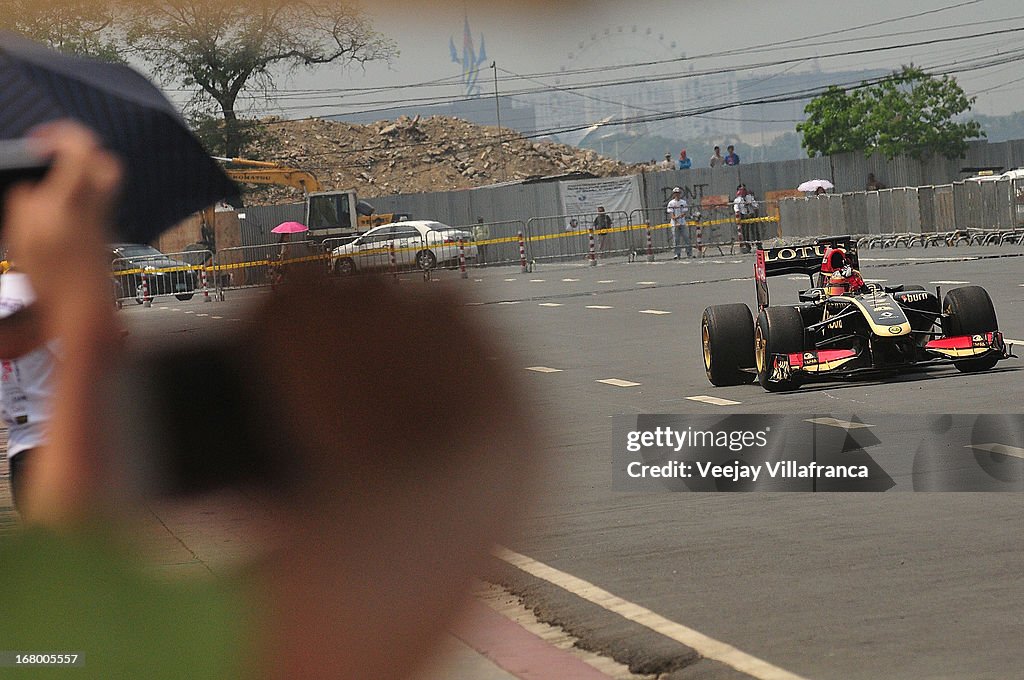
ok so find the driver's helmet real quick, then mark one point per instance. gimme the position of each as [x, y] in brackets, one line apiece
[834, 260]
[840, 276]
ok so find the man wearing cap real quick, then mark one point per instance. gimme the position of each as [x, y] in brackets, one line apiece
[677, 210]
[667, 164]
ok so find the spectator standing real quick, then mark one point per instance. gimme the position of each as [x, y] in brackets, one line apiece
[874, 184]
[754, 212]
[742, 207]
[602, 221]
[732, 158]
[684, 162]
[716, 158]
[481, 233]
[677, 210]
[667, 164]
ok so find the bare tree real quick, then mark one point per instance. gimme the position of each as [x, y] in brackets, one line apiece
[226, 47]
[72, 26]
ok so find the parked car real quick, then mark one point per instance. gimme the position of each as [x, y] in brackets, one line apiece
[416, 243]
[164, 276]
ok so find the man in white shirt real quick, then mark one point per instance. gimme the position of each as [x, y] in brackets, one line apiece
[677, 210]
[745, 208]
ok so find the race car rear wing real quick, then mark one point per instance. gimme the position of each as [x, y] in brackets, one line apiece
[797, 259]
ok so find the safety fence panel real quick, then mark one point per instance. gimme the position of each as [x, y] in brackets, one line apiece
[568, 237]
[497, 243]
[266, 265]
[143, 278]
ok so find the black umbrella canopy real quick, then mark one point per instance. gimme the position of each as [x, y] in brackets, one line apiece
[168, 173]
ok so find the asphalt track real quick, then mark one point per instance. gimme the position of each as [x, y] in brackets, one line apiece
[894, 585]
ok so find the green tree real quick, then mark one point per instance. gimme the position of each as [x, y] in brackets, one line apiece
[909, 113]
[84, 27]
[227, 47]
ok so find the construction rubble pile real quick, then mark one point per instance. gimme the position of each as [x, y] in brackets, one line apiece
[413, 155]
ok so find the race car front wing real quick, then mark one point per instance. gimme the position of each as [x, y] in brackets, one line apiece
[836, 362]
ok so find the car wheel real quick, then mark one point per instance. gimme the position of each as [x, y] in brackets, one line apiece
[727, 337]
[969, 311]
[184, 297]
[345, 267]
[779, 330]
[426, 259]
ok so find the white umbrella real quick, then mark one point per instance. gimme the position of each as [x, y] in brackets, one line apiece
[815, 184]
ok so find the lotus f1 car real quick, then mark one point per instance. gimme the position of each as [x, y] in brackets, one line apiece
[830, 335]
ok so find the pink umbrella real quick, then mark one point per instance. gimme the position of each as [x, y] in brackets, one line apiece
[289, 228]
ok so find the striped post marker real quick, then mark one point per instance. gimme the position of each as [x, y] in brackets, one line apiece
[203, 281]
[650, 245]
[147, 301]
[700, 240]
[593, 257]
[522, 254]
[462, 260]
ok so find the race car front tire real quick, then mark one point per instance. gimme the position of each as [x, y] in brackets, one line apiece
[969, 311]
[779, 330]
[727, 338]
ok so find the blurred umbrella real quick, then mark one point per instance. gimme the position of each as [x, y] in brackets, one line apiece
[289, 228]
[815, 184]
[168, 173]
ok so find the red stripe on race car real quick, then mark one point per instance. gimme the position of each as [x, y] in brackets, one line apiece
[820, 357]
[960, 342]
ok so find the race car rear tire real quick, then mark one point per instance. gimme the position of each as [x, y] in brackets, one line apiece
[727, 338]
[779, 330]
[969, 311]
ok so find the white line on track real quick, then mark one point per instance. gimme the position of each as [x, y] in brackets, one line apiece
[706, 646]
[717, 401]
[570, 280]
[537, 280]
[1001, 449]
[615, 382]
[543, 369]
[549, 304]
[189, 312]
[841, 424]
[607, 281]
[646, 283]
[511, 280]
[1013, 342]
[216, 317]
[509, 302]
[202, 315]
[948, 283]
[654, 311]
[600, 307]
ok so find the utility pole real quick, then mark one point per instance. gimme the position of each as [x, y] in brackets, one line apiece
[497, 109]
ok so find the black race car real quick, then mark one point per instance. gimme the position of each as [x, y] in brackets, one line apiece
[826, 336]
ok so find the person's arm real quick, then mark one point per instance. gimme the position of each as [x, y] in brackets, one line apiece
[20, 333]
[58, 229]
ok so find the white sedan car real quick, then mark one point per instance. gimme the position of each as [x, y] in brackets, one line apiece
[420, 243]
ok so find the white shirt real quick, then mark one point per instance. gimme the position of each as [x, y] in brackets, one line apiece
[677, 210]
[744, 205]
[26, 382]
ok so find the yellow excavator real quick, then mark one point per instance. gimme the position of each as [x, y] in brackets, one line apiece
[329, 214]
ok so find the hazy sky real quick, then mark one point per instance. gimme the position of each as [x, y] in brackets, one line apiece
[537, 40]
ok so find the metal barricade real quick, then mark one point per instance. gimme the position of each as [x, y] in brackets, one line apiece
[497, 243]
[144, 277]
[566, 237]
[265, 265]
